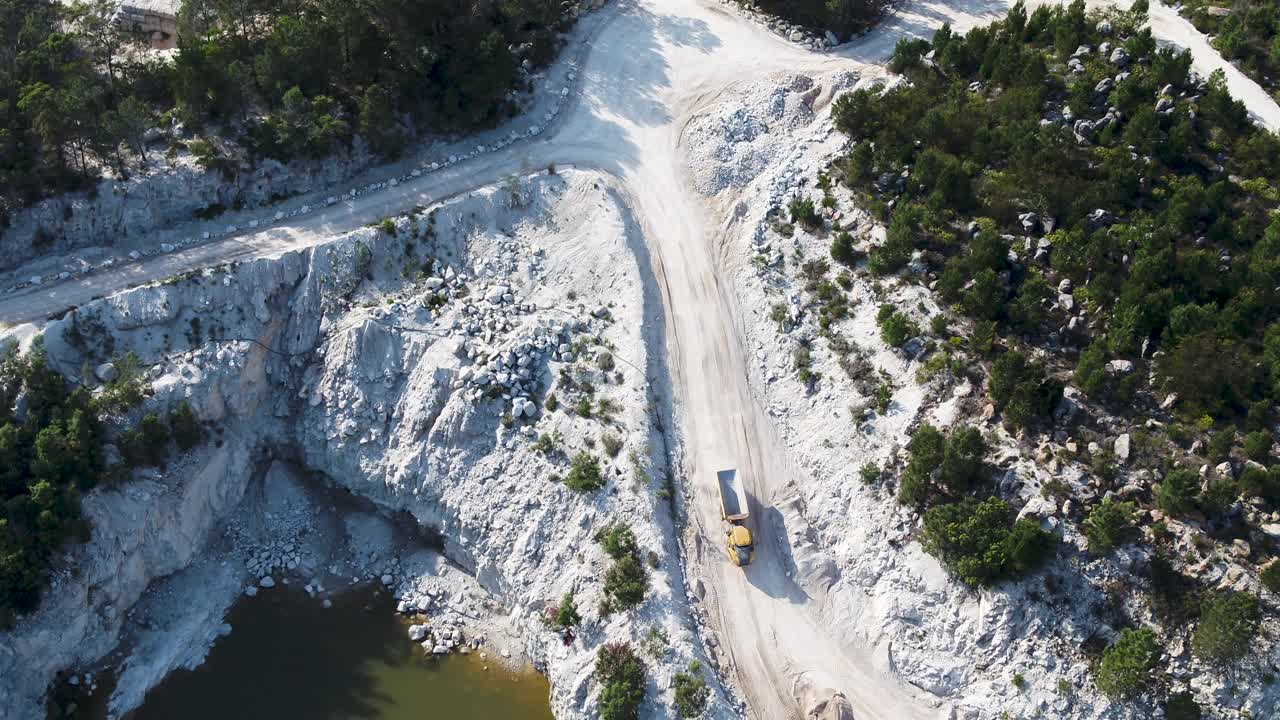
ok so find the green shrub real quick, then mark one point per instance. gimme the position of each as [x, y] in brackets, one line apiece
[147, 444]
[184, 426]
[981, 544]
[941, 463]
[1257, 445]
[584, 473]
[803, 212]
[1175, 598]
[692, 692]
[566, 616]
[843, 250]
[1228, 625]
[896, 329]
[1182, 706]
[1106, 524]
[1220, 443]
[1218, 496]
[626, 581]
[1177, 492]
[870, 473]
[1126, 667]
[1020, 388]
[622, 675]
[983, 338]
[1090, 373]
[1270, 576]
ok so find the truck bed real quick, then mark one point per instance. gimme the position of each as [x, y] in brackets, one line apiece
[733, 498]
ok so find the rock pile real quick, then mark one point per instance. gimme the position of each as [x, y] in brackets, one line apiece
[512, 368]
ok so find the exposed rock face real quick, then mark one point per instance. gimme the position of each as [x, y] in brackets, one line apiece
[163, 196]
[336, 355]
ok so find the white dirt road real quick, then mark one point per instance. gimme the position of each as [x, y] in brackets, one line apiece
[651, 69]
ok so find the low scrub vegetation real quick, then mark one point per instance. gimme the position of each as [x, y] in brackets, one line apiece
[626, 581]
[622, 677]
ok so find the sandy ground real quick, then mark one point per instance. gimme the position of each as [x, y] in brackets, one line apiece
[649, 71]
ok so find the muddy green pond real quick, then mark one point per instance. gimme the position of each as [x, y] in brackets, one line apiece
[288, 658]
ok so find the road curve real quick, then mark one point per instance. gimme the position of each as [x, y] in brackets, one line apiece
[651, 68]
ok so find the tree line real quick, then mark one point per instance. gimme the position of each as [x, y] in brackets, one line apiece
[283, 78]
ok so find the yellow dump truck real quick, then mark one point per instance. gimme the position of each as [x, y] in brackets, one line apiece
[733, 508]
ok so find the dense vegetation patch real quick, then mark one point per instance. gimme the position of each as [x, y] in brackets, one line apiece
[1246, 32]
[839, 16]
[982, 543]
[55, 440]
[1080, 200]
[288, 78]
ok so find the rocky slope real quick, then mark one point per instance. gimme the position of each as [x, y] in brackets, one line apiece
[1016, 650]
[414, 368]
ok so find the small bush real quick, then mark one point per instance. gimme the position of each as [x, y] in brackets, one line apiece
[604, 360]
[583, 407]
[1257, 445]
[552, 403]
[185, 428]
[1106, 524]
[612, 444]
[1219, 446]
[803, 212]
[547, 443]
[843, 250]
[147, 444]
[1182, 706]
[1175, 598]
[896, 328]
[622, 674]
[1177, 492]
[1270, 576]
[584, 474]
[1228, 624]
[626, 581]
[655, 642]
[566, 616]
[1125, 670]
[692, 692]
[870, 473]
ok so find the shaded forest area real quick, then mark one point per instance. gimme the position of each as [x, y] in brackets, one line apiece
[842, 17]
[284, 78]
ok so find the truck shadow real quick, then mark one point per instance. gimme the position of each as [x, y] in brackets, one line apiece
[773, 570]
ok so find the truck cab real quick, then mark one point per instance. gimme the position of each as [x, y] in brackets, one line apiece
[741, 548]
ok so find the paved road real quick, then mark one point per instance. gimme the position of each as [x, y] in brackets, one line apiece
[650, 69]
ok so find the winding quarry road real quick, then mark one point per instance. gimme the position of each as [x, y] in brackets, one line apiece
[651, 67]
